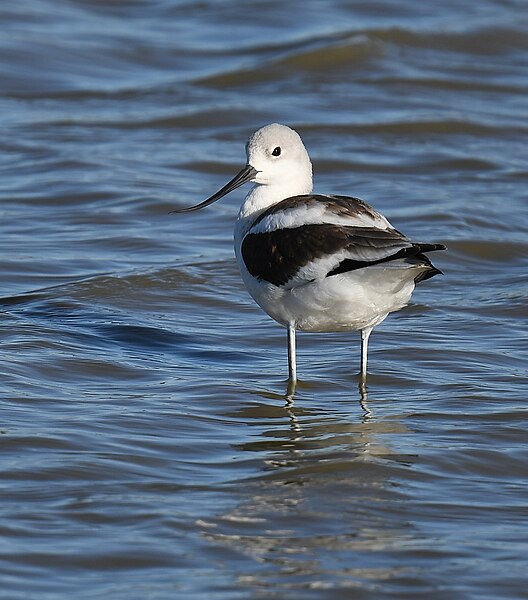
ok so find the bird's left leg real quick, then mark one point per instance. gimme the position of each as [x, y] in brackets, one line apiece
[365, 334]
[292, 360]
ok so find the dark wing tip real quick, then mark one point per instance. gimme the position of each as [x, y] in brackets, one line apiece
[431, 247]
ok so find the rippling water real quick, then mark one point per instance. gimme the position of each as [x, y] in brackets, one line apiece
[149, 449]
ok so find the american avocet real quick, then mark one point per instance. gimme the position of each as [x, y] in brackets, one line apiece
[316, 262]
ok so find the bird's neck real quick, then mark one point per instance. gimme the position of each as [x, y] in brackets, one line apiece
[262, 197]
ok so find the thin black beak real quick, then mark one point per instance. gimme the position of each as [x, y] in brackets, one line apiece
[247, 174]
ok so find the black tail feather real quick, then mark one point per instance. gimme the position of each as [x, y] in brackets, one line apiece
[414, 254]
[431, 271]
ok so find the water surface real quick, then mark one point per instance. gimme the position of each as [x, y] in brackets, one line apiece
[149, 447]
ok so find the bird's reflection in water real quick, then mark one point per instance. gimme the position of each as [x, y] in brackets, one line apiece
[322, 507]
[299, 439]
[289, 406]
[363, 401]
[348, 423]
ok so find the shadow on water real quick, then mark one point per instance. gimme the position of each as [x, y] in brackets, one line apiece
[321, 512]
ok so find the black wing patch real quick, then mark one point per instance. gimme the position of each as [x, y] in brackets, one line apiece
[276, 256]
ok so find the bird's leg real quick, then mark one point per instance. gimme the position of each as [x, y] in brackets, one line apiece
[292, 362]
[365, 334]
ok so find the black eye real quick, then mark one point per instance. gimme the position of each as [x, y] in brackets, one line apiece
[276, 151]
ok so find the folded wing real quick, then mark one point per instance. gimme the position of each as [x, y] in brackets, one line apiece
[305, 238]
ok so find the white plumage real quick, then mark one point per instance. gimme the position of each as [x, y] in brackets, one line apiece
[313, 262]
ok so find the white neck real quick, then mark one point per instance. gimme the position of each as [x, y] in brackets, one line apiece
[262, 197]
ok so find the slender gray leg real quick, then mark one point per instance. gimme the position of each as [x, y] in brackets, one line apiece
[365, 334]
[292, 362]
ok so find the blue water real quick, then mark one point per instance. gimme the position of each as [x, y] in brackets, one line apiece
[149, 446]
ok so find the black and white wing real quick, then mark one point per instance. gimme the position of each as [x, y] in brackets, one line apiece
[310, 237]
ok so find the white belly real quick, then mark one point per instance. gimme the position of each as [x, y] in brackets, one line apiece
[349, 301]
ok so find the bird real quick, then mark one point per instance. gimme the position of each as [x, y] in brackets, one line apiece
[314, 262]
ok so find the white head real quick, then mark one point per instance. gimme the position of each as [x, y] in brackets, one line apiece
[280, 159]
[277, 162]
